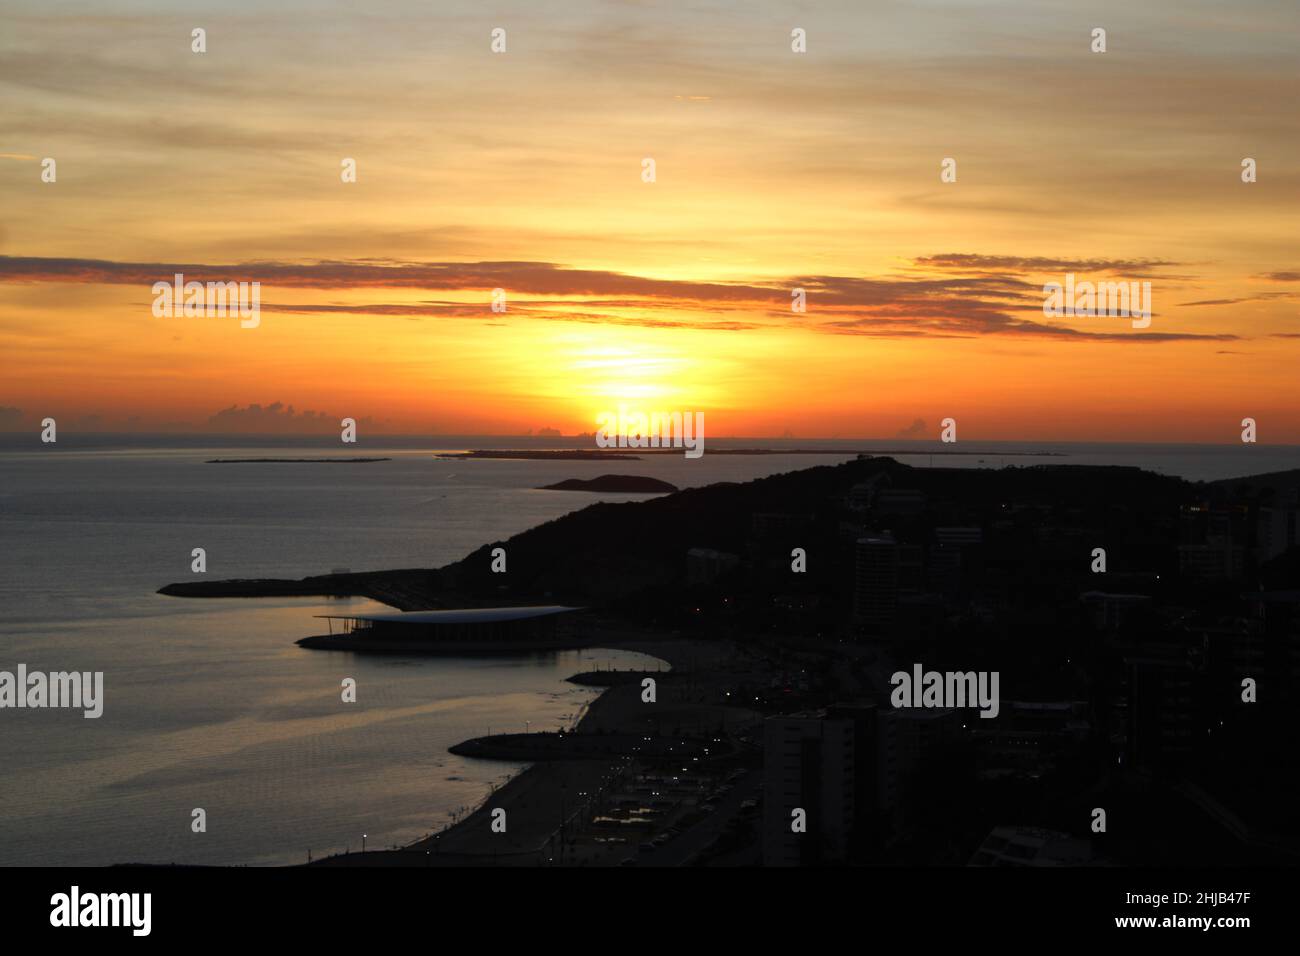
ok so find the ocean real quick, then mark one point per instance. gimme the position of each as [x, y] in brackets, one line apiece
[209, 704]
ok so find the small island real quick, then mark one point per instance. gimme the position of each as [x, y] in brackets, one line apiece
[631, 484]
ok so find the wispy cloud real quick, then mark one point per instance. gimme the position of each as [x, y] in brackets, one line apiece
[899, 306]
[1038, 264]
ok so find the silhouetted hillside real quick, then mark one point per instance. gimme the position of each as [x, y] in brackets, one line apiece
[606, 552]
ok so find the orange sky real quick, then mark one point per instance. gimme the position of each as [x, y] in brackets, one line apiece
[775, 170]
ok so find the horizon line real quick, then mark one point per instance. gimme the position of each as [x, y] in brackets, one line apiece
[427, 436]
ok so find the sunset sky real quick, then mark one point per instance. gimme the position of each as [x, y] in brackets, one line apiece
[774, 170]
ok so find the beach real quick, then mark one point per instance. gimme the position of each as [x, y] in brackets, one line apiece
[555, 796]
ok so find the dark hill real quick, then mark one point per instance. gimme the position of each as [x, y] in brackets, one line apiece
[1266, 485]
[608, 551]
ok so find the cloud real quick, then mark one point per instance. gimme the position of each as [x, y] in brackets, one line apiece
[1037, 264]
[279, 418]
[528, 277]
[540, 309]
[906, 306]
[993, 323]
[1262, 297]
[915, 430]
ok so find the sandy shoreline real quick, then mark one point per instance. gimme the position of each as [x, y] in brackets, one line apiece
[550, 795]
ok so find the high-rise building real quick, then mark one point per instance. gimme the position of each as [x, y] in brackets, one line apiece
[1277, 530]
[1272, 655]
[1211, 545]
[875, 591]
[875, 773]
[808, 765]
[1162, 707]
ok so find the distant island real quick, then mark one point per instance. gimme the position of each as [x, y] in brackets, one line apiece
[618, 454]
[634, 484]
[292, 461]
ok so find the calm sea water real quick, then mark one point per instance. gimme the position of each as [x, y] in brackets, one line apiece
[210, 704]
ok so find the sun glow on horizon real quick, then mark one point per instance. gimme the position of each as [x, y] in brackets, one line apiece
[774, 172]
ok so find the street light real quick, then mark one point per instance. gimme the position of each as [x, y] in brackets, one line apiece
[363, 843]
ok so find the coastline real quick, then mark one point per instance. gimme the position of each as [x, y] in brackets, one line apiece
[411, 589]
[545, 795]
[550, 795]
[487, 648]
